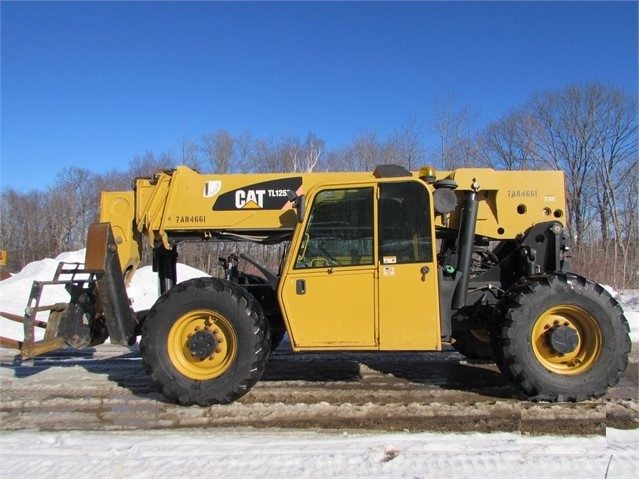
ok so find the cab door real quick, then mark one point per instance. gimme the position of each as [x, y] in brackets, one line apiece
[408, 300]
[328, 292]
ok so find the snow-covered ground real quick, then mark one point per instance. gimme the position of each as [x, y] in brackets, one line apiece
[14, 291]
[247, 453]
[243, 454]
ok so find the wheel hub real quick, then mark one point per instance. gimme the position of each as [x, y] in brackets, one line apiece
[563, 339]
[202, 344]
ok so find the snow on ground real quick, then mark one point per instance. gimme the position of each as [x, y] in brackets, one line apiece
[14, 291]
[247, 453]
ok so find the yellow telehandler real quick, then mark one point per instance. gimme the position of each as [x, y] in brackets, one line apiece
[389, 260]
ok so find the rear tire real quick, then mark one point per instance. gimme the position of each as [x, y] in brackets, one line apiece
[561, 338]
[205, 341]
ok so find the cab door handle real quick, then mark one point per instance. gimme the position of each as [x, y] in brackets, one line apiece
[424, 271]
[300, 286]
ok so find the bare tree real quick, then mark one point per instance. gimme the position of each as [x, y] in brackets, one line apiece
[218, 148]
[363, 154]
[37, 225]
[71, 205]
[454, 128]
[190, 155]
[245, 151]
[590, 133]
[306, 157]
[270, 157]
[405, 146]
[147, 164]
[613, 141]
[21, 228]
[504, 144]
[113, 180]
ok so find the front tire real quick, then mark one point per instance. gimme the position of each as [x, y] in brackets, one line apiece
[561, 338]
[206, 341]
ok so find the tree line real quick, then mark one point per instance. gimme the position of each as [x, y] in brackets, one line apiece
[588, 130]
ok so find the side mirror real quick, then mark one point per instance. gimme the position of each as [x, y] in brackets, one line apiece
[298, 203]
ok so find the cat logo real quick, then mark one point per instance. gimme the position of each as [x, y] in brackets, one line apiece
[251, 199]
[265, 195]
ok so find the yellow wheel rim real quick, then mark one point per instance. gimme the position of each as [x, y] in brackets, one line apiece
[584, 328]
[219, 339]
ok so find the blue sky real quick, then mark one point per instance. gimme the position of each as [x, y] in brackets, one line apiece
[92, 84]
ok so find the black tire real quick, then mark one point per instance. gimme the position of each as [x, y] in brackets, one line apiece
[529, 347]
[473, 343]
[223, 324]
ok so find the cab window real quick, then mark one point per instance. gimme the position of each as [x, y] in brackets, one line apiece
[404, 223]
[339, 231]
